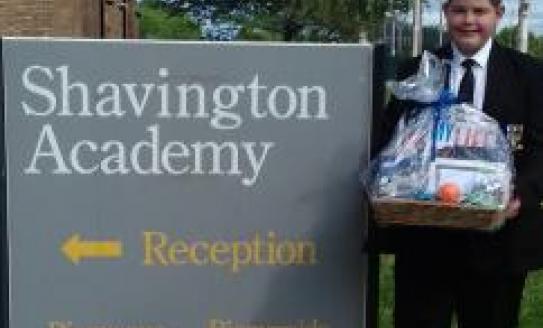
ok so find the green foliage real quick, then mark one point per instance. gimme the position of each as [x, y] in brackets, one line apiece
[310, 20]
[156, 23]
[372, 14]
[508, 37]
[536, 46]
[293, 20]
[254, 33]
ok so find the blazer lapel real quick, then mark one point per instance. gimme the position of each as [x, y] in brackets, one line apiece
[495, 77]
[446, 53]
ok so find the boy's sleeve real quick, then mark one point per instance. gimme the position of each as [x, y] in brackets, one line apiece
[383, 240]
[392, 113]
[530, 170]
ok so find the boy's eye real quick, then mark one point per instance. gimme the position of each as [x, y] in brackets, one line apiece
[458, 10]
[480, 11]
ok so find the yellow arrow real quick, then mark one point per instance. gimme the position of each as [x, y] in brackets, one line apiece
[75, 249]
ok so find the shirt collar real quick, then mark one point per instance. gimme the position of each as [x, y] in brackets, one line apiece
[480, 57]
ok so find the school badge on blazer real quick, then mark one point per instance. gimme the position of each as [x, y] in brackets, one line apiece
[515, 133]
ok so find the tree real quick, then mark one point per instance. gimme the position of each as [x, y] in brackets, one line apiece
[508, 37]
[536, 46]
[291, 20]
[155, 22]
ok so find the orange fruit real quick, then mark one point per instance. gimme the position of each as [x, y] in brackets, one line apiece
[449, 193]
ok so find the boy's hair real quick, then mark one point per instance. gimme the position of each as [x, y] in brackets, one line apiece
[495, 3]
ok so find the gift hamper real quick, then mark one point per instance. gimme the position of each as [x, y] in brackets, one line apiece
[448, 164]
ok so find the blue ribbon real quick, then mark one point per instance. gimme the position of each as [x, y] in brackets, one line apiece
[442, 129]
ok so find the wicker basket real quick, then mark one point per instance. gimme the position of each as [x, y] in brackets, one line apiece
[393, 211]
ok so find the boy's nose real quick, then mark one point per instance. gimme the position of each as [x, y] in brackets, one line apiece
[469, 18]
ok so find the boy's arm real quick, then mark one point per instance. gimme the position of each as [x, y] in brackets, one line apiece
[384, 240]
[530, 168]
[388, 119]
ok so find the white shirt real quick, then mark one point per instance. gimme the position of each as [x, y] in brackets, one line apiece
[479, 72]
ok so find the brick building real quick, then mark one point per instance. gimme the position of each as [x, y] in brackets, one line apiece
[69, 18]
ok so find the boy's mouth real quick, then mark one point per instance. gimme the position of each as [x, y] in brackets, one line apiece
[469, 32]
[472, 29]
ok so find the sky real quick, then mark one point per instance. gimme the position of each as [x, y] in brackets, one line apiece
[511, 8]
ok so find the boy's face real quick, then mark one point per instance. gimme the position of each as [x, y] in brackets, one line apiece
[471, 23]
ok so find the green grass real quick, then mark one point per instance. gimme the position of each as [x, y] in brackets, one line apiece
[531, 315]
[386, 291]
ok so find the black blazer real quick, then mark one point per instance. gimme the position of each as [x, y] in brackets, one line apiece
[514, 95]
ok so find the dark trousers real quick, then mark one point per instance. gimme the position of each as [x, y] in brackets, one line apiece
[428, 292]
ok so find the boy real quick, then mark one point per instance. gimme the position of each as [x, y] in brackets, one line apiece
[478, 276]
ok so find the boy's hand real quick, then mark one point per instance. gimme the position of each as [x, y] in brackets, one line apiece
[511, 212]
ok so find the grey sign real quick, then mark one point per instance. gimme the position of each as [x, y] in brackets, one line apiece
[185, 184]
